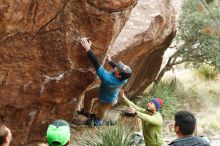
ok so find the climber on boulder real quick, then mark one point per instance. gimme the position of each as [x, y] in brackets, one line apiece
[107, 92]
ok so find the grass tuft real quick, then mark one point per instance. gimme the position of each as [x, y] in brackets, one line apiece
[106, 136]
[207, 72]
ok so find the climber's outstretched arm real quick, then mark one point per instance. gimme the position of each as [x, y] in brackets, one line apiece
[87, 45]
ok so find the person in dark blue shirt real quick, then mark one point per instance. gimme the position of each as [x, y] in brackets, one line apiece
[107, 92]
[185, 123]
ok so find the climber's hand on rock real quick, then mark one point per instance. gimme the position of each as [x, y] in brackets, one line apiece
[86, 43]
[109, 58]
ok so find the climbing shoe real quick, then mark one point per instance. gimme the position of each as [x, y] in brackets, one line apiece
[95, 122]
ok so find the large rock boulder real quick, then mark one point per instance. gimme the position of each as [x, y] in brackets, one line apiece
[43, 68]
[143, 40]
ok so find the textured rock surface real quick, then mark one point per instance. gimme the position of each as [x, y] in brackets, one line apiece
[42, 73]
[143, 40]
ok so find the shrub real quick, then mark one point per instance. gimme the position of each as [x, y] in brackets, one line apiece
[208, 72]
[214, 125]
[106, 136]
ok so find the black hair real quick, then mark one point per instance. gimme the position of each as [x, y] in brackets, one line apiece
[186, 122]
[124, 76]
[3, 134]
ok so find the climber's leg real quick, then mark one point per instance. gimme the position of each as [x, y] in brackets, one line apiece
[88, 99]
[98, 120]
[102, 108]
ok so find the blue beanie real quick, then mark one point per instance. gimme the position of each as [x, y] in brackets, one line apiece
[156, 103]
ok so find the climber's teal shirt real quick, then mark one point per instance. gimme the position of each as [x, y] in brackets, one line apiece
[110, 85]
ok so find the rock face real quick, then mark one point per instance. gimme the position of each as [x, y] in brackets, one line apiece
[43, 68]
[143, 40]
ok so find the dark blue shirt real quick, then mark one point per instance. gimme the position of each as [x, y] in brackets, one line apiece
[190, 141]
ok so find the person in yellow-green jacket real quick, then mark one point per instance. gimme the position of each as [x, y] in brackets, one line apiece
[152, 120]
